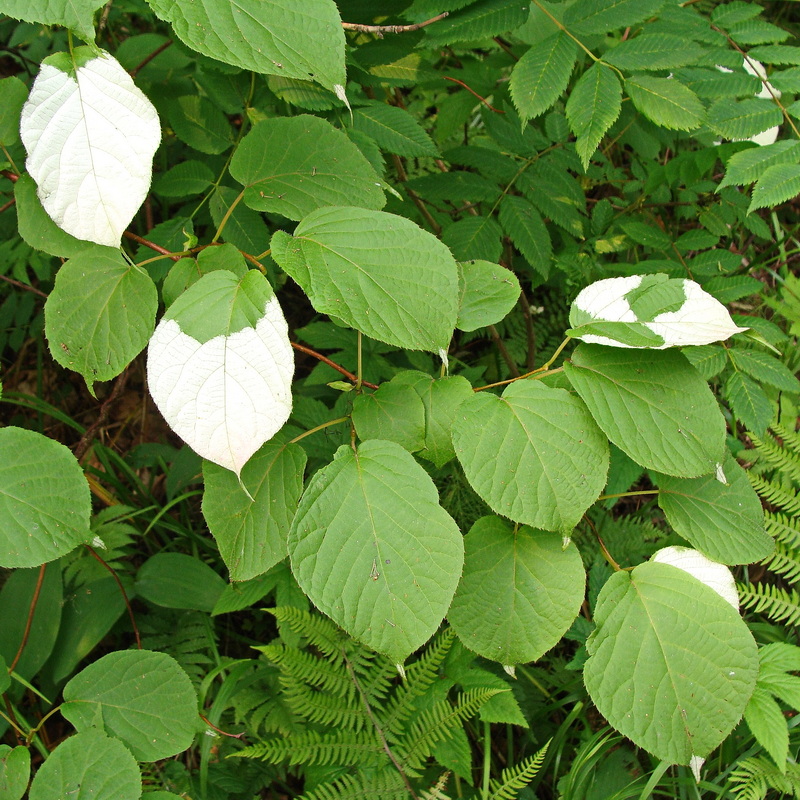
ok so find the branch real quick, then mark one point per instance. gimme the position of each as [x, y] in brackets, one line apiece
[152, 245]
[145, 61]
[124, 595]
[379, 30]
[21, 285]
[473, 92]
[337, 367]
[29, 622]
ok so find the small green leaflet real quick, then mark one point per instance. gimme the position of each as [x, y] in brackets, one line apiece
[276, 37]
[592, 108]
[377, 272]
[542, 74]
[479, 21]
[749, 402]
[534, 455]
[649, 311]
[178, 580]
[385, 570]
[44, 499]
[778, 184]
[749, 165]
[654, 51]
[394, 129]
[600, 16]
[488, 293]
[15, 763]
[295, 165]
[520, 591]
[666, 101]
[100, 314]
[89, 107]
[220, 365]
[395, 412]
[654, 406]
[141, 697]
[524, 224]
[672, 665]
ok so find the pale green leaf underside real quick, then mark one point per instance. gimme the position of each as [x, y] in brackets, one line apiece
[377, 272]
[142, 697]
[654, 406]
[534, 455]
[724, 522]
[520, 591]
[295, 165]
[251, 534]
[100, 314]
[73, 14]
[277, 37]
[671, 664]
[44, 499]
[89, 764]
[373, 549]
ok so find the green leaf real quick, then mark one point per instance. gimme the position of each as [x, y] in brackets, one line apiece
[394, 412]
[542, 74]
[44, 499]
[377, 272]
[251, 531]
[768, 725]
[592, 108]
[672, 665]
[384, 569]
[489, 293]
[778, 184]
[776, 54]
[244, 227]
[666, 101]
[474, 238]
[15, 604]
[175, 580]
[765, 368]
[184, 180]
[534, 455]
[141, 697]
[741, 119]
[479, 21]
[748, 402]
[726, 522]
[73, 14]
[394, 129]
[441, 398]
[295, 165]
[749, 165]
[654, 406]
[599, 16]
[520, 592]
[100, 313]
[276, 37]
[88, 765]
[35, 226]
[200, 124]
[15, 770]
[524, 224]
[654, 51]
[13, 94]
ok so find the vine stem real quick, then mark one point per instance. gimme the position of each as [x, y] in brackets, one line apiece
[21, 285]
[487, 760]
[379, 30]
[325, 360]
[224, 220]
[319, 428]
[539, 371]
[147, 59]
[29, 621]
[88, 437]
[475, 94]
[626, 494]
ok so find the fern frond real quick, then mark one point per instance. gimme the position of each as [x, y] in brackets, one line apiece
[753, 778]
[436, 792]
[341, 748]
[790, 438]
[346, 713]
[419, 677]
[316, 629]
[783, 528]
[776, 495]
[778, 605]
[785, 561]
[776, 456]
[383, 786]
[300, 665]
[435, 724]
[515, 778]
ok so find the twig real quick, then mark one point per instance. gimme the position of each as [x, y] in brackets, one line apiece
[91, 432]
[512, 367]
[21, 285]
[504, 46]
[152, 245]
[12, 176]
[473, 92]
[104, 17]
[142, 64]
[219, 730]
[8, 205]
[29, 622]
[124, 595]
[337, 367]
[379, 30]
[402, 176]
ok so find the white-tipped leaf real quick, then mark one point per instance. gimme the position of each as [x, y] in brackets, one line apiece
[713, 574]
[220, 365]
[649, 311]
[766, 92]
[90, 135]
